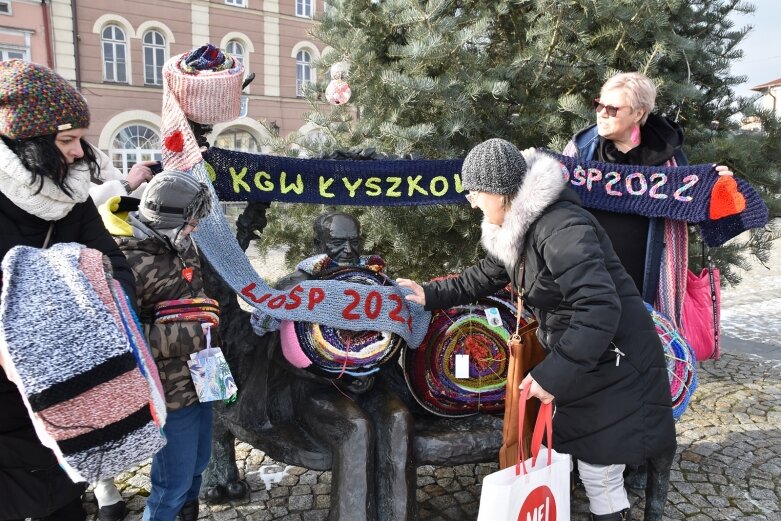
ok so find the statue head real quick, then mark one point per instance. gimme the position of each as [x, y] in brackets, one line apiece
[338, 235]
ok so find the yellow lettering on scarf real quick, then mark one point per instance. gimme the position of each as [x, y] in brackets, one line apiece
[459, 186]
[413, 185]
[298, 187]
[266, 185]
[324, 184]
[352, 187]
[238, 179]
[393, 190]
[210, 171]
[439, 192]
[372, 188]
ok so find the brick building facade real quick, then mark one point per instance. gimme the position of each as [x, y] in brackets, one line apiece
[113, 51]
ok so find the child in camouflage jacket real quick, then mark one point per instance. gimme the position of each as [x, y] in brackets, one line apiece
[154, 234]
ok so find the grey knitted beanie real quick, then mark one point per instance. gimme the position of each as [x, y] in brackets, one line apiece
[495, 166]
[171, 199]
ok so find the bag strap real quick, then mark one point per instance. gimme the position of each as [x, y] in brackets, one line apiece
[544, 423]
[49, 233]
[519, 309]
[714, 309]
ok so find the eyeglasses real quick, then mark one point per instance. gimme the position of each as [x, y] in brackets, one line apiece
[472, 197]
[611, 110]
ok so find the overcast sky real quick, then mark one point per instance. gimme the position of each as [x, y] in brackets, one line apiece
[761, 60]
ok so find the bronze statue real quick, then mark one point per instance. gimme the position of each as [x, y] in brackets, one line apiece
[370, 433]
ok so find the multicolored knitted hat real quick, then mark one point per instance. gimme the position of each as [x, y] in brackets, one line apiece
[36, 101]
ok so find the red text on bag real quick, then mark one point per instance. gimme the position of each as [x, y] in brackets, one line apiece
[540, 505]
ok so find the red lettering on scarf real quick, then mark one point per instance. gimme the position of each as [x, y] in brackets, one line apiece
[347, 312]
[247, 292]
[277, 302]
[295, 299]
[316, 295]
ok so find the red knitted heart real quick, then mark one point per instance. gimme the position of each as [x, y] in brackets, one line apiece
[174, 142]
[725, 199]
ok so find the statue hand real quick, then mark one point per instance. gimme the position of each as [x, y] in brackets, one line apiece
[723, 170]
[417, 296]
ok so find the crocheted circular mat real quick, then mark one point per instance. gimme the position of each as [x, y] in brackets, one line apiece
[680, 362]
[332, 352]
[430, 370]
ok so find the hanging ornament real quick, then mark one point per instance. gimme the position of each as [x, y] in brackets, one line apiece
[338, 91]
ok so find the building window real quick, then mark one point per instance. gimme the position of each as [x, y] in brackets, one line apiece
[237, 3]
[114, 49]
[303, 72]
[304, 8]
[236, 49]
[10, 53]
[154, 58]
[5, 7]
[244, 106]
[237, 139]
[135, 143]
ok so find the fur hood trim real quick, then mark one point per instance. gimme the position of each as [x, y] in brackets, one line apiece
[541, 186]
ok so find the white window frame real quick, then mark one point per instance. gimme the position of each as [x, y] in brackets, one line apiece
[157, 78]
[23, 49]
[232, 132]
[130, 156]
[10, 10]
[244, 106]
[304, 8]
[303, 65]
[6, 49]
[115, 63]
[236, 3]
[242, 56]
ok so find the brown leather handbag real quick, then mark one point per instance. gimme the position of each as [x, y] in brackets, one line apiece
[525, 353]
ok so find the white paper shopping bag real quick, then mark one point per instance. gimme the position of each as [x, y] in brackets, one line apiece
[535, 489]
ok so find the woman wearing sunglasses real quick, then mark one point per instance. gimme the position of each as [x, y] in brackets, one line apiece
[628, 132]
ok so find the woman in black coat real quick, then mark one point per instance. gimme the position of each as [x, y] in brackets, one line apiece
[43, 200]
[605, 367]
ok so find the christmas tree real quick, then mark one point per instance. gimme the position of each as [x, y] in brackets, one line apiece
[431, 79]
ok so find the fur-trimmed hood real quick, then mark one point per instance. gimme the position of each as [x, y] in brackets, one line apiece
[541, 186]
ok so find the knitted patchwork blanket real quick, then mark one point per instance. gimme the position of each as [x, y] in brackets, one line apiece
[61, 344]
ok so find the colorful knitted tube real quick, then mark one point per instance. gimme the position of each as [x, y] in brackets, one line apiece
[142, 353]
[680, 362]
[204, 310]
[463, 330]
[203, 85]
[330, 352]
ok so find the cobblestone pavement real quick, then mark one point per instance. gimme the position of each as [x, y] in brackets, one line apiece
[728, 465]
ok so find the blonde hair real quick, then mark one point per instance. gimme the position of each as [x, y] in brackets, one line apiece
[639, 89]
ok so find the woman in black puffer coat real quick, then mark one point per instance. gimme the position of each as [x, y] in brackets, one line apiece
[605, 367]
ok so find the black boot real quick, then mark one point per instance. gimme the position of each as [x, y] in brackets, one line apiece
[623, 515]
[113, 512]
[189, 511]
